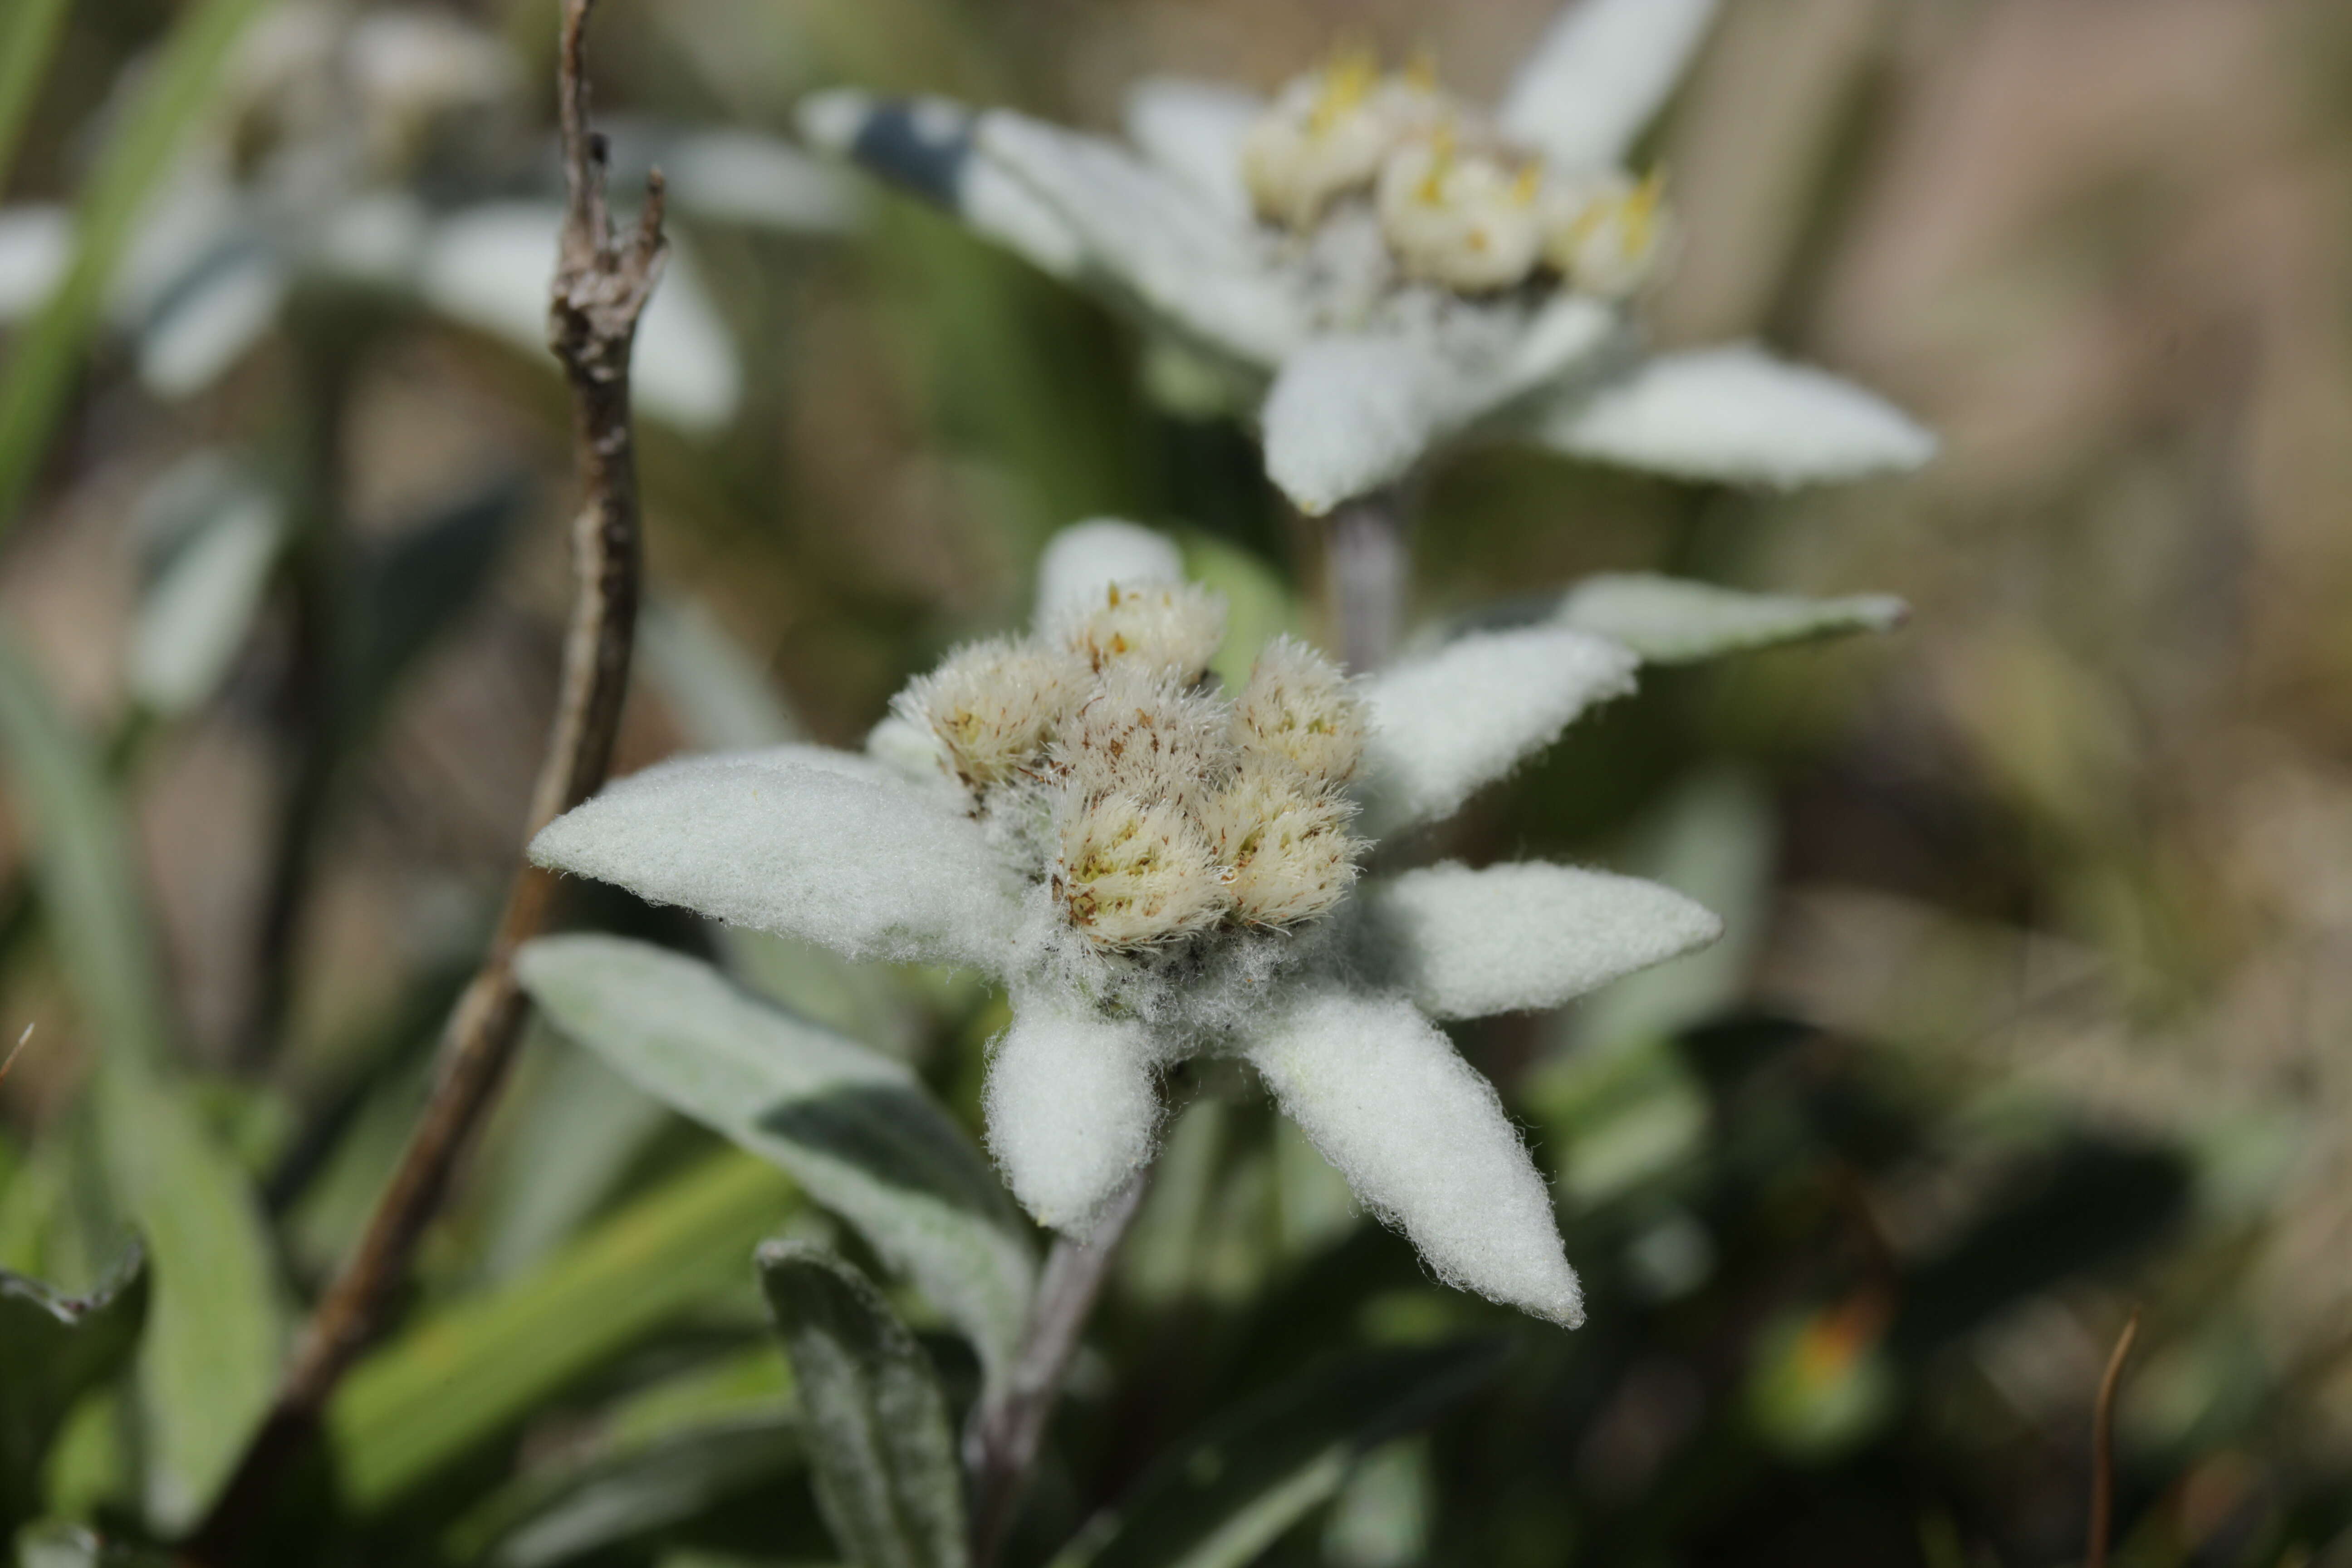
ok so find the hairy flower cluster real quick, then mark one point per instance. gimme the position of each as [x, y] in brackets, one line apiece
[1456, 203]
[1155, 810]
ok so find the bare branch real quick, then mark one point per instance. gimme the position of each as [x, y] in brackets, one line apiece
[601, 288]
[2103, 1447]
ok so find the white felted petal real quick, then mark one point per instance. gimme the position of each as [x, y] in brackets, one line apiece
[1511, 938]
[1085, 558]
[1072, 1111]
[1348, 415]
[1739, 415]
[1194, 130]
[1179, 259]
[207, 325]
[489, 267]
[742, 176]
[35, 245]
[825, 845]
[1424, 1139]
[925, 146]
[1464, 716]
[1599, 76]
[1669, 621]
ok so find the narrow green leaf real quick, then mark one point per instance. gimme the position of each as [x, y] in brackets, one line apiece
[577, 1126]
[1225, 1497]
[28, 37]
[635, 1496]
[82, 863]
[53, 1350]
[147, 140]
[852, 1126]
[211, 1354]
[883, 1459]
[472, 1371]
[1670, 621]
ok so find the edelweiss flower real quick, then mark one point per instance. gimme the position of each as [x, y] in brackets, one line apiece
[1385, 268]
[1157, 870]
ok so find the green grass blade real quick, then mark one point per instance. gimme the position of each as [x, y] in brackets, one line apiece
[40, 372]
[473, 1371]
[28, 38]
[212, 1349]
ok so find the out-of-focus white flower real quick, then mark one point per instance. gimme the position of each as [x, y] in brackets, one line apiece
[1155, 870]
[380, 149]
[1384, 269]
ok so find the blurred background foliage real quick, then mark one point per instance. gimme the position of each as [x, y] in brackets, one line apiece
[2037, 1001]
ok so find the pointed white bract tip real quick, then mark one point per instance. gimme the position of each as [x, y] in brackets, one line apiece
[832, 119]
[907, 748]
[1525, 936]
[1085, 558]
[1425, 1142]
[1465, 715]
[1667, 620]
[1739, 415]
[1072, 1111]
[1346, 416]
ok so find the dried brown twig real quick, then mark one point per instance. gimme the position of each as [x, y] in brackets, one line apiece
[2103, 1447]
[603, 282]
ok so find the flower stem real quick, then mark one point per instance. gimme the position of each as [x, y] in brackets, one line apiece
[1000, 1443]
[603, 283]
[1366, 562]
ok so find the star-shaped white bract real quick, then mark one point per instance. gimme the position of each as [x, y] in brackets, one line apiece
[1157, 870]
[1384, 272]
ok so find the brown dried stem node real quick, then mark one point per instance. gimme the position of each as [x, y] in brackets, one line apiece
[603, 283]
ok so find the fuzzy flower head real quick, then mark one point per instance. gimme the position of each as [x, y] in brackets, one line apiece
[1168, 824]
[1376, 268]
[1157, 868]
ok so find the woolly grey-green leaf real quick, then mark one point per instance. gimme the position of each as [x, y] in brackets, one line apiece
[883, 1456]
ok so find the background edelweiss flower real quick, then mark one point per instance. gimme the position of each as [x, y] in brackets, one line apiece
[1204, 900]
[1376, 281]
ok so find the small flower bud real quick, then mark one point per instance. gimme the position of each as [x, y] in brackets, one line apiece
[1142, 735]
[1327, 135]
[995, 706]
[1297, 706]
[1606, 234]
[1284, 840]
[1463, 218]
[1171, 629]
[1131, 875]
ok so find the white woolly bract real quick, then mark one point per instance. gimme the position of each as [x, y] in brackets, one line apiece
[1071, 1110]
[1183, 260]
[1195, 129]
[1349, 414]
[1162, 628]
[1083, 559]
[1141, 733]
[1600, 74]
[1298, 706]
[1133, 874]
[1739, 415]
[1515, 938]
[1424, 1139]
[995, 705]
[823, 846]
[1670, 621]
[1465, 715]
